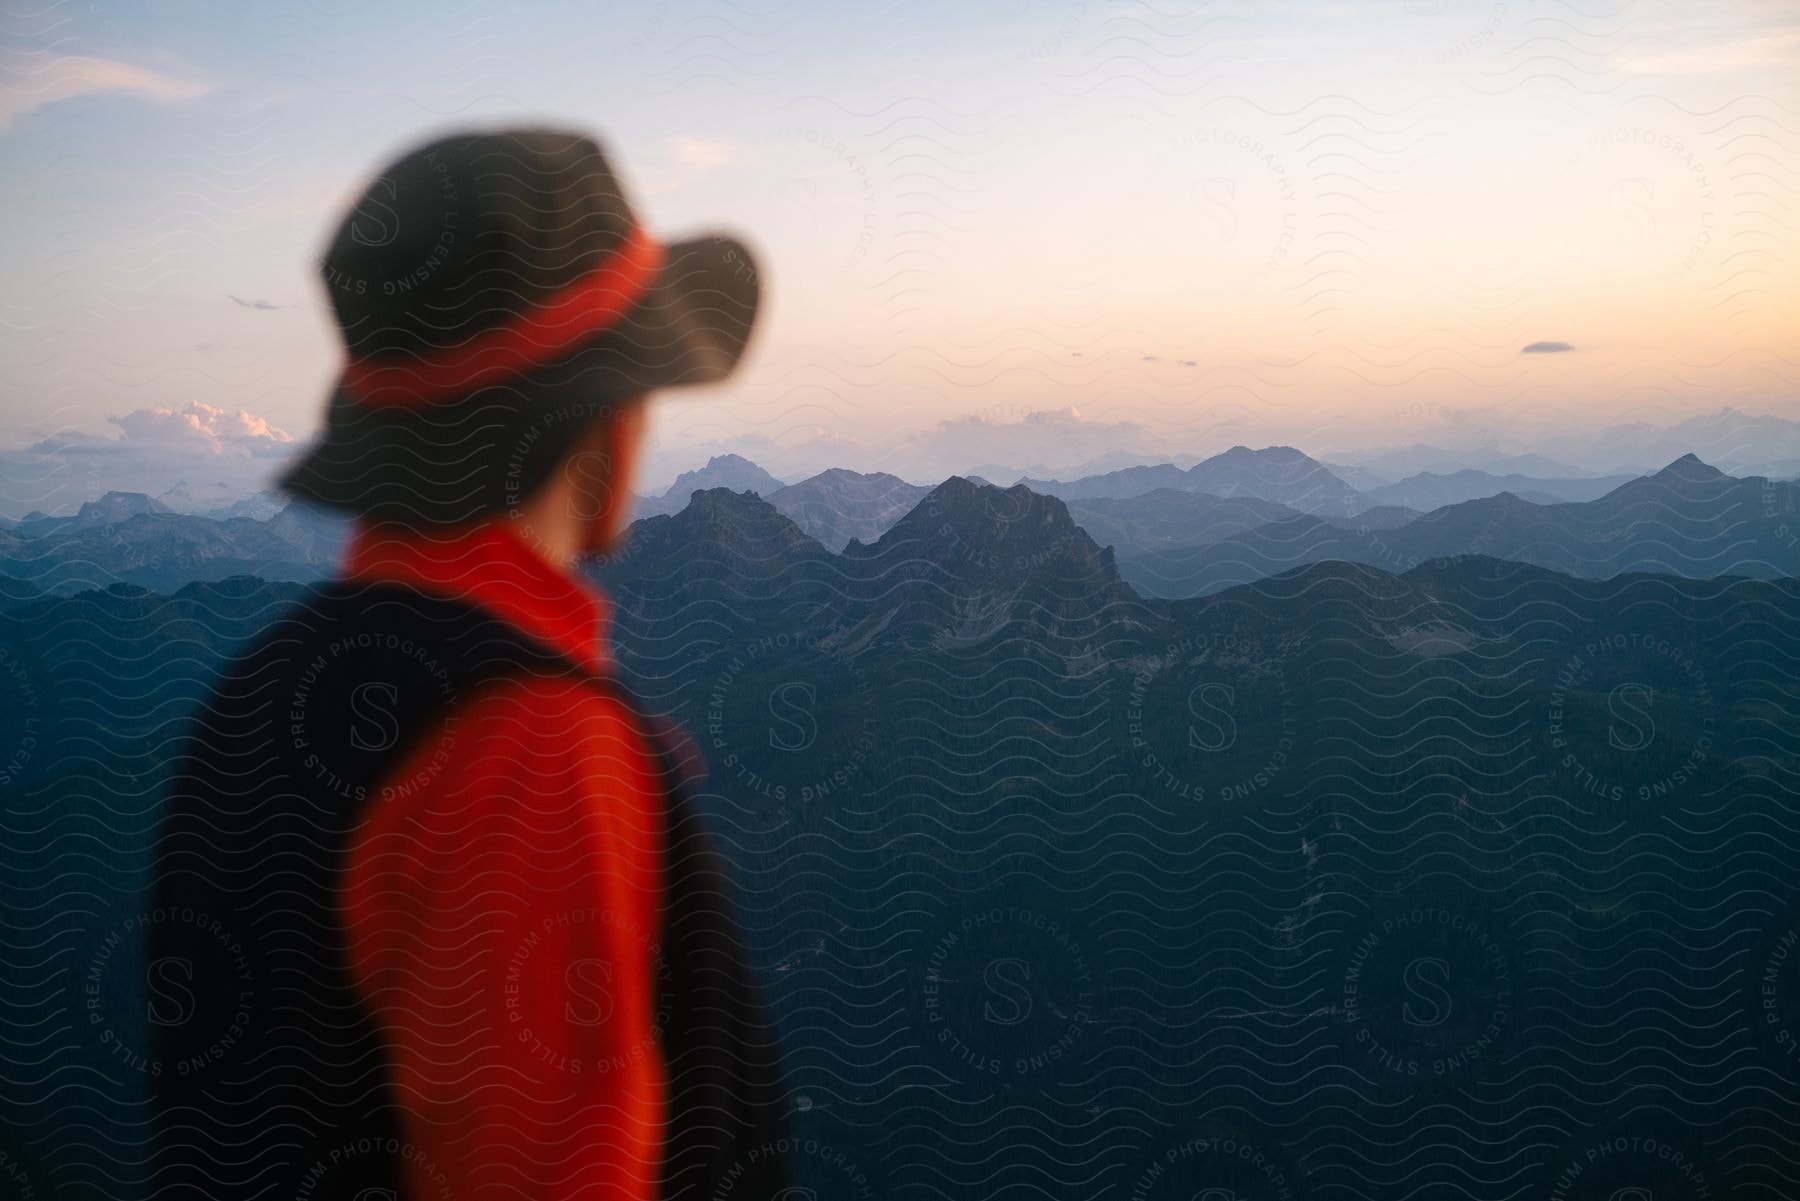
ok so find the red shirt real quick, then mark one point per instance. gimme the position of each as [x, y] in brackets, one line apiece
[502, 905]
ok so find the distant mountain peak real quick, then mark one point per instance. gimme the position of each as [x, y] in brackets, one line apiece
[838, 505]
[724, 471]
[718, 535]
[713, 505]
[743, 523]
[957, 497]
[1276, 454]
[958, 486]
[1690, 469]
[732, 472]
[112, 508]
[975, 527]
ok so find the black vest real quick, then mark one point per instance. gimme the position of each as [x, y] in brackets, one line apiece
[268, 1077]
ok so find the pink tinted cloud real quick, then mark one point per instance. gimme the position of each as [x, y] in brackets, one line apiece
[201, 428]
[30, 81]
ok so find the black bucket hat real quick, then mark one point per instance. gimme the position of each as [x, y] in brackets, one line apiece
[497, 294]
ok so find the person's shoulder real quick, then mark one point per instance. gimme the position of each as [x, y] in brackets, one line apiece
[556, 727]
[555, 707]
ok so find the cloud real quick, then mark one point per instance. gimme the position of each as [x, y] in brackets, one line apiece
[201, 429]
[701, 152]
[254, 304]
[1777, 48]
[214, 452]
[1052, 417]
[686, 158]
[30, 81]
[1546, 348]
[1049, 439]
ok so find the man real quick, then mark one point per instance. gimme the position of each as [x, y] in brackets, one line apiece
[431, 910]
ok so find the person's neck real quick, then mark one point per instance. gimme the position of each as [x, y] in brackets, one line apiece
[551, 530]
[553, 525]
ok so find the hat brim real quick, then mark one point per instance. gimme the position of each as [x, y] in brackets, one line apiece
[477, 454]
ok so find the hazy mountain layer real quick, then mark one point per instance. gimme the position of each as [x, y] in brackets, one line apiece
[1427, 490]
[1169, 518]
[838, 506]
[1687, 520]
[130, 538]
[1278, 473]
[733, 472]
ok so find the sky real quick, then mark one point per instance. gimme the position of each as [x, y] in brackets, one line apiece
[1026, 232]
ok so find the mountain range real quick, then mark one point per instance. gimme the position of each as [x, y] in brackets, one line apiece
[1430, 490]
[1735, 441]
[732, 472]
[833, 506]
[1278, 473]
[1687, 520]
[1199, 829]
[132, 538]
[1236, 518]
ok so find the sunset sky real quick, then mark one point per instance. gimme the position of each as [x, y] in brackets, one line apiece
[1016, 231]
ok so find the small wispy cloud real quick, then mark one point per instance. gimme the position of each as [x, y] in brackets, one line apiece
[1545, 348]
[30, 81]
[685, 158]
[1777, 49]
[703, 153]
[265, 305]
